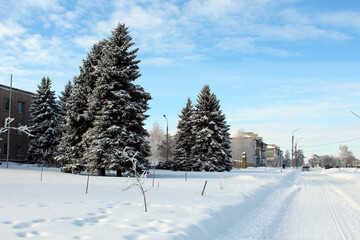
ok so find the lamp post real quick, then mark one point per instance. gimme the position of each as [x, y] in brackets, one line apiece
[167, 138]
[292, 147]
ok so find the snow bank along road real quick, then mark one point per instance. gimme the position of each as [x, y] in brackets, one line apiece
[320, 204]
[256, 203]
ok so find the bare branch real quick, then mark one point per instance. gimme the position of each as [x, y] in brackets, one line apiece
[139, 180]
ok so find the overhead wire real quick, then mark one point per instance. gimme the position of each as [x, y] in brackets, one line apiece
[327, 144]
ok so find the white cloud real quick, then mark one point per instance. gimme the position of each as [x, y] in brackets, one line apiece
[214, 9]
[347, 19]
[296, 32]
[286, 112]
[156, 27]
[157, 61]
[10, 29]
[43, 4]
[86, 42]
[249, 46]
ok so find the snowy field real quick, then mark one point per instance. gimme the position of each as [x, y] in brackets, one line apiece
[256, 203]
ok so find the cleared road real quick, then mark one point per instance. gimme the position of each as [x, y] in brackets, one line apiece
[320, 204]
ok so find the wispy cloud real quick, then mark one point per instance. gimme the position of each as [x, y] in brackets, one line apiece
[286, 112]
[249, 46]
[341, 19]
[10, 29]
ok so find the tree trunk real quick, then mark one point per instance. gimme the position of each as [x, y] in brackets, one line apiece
[101, 172]
[118, 173]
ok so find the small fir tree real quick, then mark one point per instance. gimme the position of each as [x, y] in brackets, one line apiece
[210, 151]
[184, 140]
[45, 115]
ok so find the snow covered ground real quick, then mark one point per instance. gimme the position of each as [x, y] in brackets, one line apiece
[256, 203]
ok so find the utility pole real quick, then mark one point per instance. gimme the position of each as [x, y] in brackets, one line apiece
[356, 161]
[295, 155]
[9, 122]
[292, 150]
[167, 138]
[292, 147]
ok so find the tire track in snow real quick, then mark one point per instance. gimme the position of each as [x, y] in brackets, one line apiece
[334, 216]
[345, 212]
[260, 222]
[321, 210]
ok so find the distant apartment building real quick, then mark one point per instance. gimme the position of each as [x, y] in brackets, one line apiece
[253, 145]
[274, 156]
[260, 150]
[20, 105]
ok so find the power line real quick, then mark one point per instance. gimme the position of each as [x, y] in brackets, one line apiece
[335, 132]
[320, 145]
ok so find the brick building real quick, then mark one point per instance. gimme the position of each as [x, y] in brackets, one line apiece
[20, 105]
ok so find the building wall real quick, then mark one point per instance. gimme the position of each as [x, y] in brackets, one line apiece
[20, 105]
[275, 156]
[254, 147]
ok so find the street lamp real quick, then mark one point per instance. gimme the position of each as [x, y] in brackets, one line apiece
[292, 147]
[167, 138]
[355, 114]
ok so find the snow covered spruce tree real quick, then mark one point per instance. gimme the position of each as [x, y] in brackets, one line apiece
[210, 151]
[184, 140]
[44, 121]
[77, 118]
[117, 107]
[106, 111]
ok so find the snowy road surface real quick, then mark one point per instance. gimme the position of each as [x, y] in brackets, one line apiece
[255, 203]
[309, 205]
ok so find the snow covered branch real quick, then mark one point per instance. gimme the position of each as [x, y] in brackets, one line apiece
[7, 126]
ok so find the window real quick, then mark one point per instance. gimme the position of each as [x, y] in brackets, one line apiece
[20, 107]
[6, 104]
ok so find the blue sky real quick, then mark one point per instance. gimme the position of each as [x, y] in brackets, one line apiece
[275, 65]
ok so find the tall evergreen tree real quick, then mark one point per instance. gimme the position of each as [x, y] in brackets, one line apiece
[105, 111]
[78, 119]
[65, 95]
[117, 107]
[184, 140]
[45, 117]
[210, 151]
